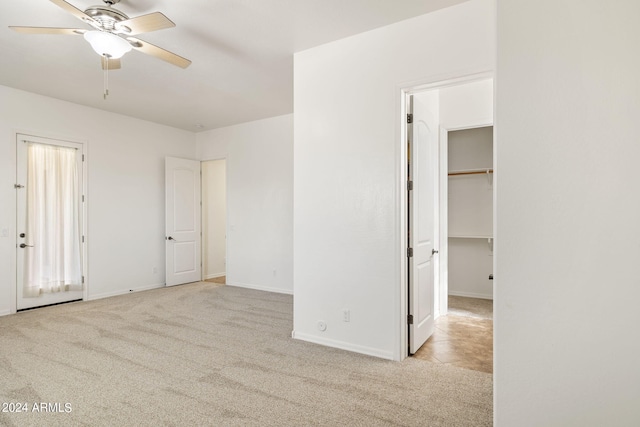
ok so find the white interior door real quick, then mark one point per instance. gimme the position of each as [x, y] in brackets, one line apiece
[183, 238]
[423, 208]
[49, 241]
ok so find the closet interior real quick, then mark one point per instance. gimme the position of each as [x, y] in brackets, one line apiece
[470, 212]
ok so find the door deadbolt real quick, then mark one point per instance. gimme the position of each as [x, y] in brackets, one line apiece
[22, 235]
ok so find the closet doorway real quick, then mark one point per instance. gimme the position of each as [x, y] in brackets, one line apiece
[464, 290]
[464, 336]
[214, 220]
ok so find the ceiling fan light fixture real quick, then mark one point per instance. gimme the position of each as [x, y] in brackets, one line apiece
[109, 44]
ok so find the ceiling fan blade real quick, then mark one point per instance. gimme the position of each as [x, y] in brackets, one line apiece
[145, 24]
[73, 10]
[114, 64]
[49, 30]
[158, 52]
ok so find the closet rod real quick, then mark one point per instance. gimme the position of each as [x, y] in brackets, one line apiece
[474, 172]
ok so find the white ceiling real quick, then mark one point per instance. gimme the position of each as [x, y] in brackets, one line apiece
[242, 53]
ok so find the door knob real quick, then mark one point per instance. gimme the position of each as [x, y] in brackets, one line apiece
[433, 252]
[22, 245]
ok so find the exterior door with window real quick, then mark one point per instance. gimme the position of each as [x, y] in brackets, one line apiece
[49, 241]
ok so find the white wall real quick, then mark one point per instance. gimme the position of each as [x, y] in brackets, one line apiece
[347, 168]
[259, 200]
[470, 264]
[214, 218]
[568, 209]
[125, 188]
[467, 105]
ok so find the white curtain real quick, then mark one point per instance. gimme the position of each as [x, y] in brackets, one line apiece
[53, 264]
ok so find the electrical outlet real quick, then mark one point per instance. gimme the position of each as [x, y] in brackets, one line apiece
[346, 315]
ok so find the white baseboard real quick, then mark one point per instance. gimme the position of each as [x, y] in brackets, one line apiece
[261, 288]
[5, 312]
[214, 275]
[124, 291]
[369, 351]
[470, 295]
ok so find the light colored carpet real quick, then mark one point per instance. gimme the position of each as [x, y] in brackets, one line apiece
[203, 354]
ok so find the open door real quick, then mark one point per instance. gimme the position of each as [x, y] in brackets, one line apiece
[423, 199]
[182, 221]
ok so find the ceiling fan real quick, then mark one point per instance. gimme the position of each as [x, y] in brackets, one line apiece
[112, 31]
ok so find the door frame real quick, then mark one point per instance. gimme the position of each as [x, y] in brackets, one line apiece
[202, 160]
[404, 91]
[84, 212]
[226, 208]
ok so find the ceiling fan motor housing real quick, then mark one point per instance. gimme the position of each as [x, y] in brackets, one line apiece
[106, 17]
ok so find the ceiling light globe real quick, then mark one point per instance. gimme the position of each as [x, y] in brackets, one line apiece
[109, 44]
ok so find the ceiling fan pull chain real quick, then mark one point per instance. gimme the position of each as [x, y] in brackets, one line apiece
[106, 77]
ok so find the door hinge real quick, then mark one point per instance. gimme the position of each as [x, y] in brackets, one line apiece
[82, 279]
[82, 239]
[83, 157]
[409, 252]
[83, 198]
[410, 319]
[409, 185]
[18, 186]
[409, 118]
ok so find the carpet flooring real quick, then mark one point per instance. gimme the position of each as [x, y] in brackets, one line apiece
[207, 354]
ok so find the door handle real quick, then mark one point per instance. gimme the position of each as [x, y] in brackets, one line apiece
[433, 251]
[22, 245]
[171, 238]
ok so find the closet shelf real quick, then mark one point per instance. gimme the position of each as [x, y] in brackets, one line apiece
[488, 238]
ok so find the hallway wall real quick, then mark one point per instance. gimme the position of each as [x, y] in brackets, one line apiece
[567, 245]
[259, 200]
